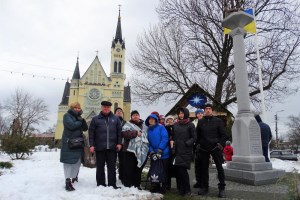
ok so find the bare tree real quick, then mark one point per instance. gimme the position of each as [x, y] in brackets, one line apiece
[188, 46]
[25, 112]
[4, 128]
[294, 130]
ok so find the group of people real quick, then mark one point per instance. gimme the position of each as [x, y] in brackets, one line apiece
[136, 141]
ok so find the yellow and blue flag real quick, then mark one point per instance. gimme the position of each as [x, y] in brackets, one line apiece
[250, 28]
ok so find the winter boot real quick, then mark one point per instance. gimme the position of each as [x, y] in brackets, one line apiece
[222, 193]
[203, 191]
[75, 179]
[69, 186]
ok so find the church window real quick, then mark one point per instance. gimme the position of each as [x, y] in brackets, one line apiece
[115, 105]
[115, 66]
[74, 92]
[120, 67]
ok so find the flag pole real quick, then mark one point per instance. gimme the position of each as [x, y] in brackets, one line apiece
[259, 64]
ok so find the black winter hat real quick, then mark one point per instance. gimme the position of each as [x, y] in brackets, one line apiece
[134, 112]
[118, 108]
[106, 103]
[208, 105]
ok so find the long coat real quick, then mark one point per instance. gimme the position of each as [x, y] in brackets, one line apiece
[184, 138]
[73, 127]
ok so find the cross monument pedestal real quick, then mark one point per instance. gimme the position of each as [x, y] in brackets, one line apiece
[248, 163]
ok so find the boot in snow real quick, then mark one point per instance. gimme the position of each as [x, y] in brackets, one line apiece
[69, 186]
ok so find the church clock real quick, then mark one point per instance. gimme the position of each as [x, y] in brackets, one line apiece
[94, 93]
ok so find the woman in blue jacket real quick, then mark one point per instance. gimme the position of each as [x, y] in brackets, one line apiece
[158, 147]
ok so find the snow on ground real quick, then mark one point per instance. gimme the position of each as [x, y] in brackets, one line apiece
[41, 177]
[288, 166]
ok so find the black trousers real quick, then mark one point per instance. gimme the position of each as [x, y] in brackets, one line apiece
[109, 157]
[197, 167]
[204, 164]
[182, 180]
[131, 173]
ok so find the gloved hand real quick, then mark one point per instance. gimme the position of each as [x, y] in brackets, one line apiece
[159, 152]
[219, 146]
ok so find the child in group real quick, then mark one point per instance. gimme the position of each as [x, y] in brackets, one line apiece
[228, 151]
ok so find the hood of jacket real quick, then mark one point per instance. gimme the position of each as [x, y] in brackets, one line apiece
[151, 116]
[185, 111]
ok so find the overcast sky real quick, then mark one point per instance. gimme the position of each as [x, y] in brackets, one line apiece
[42, 39]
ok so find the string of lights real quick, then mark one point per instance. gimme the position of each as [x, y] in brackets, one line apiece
[34, 65]
[33, 75]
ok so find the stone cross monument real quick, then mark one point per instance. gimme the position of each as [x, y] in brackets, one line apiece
[248, 163]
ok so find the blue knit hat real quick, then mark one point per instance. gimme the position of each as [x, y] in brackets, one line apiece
[199, 111]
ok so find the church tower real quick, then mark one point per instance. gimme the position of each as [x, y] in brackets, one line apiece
[95, 86]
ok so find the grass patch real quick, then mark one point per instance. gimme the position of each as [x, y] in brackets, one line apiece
[292, 180]
[7, 165]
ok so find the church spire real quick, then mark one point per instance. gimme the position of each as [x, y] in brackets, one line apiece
[119, 29]
[76, 74]
[118, 36]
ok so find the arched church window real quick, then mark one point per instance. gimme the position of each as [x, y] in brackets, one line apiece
[115, 105]
[115, 67]
[120, 67]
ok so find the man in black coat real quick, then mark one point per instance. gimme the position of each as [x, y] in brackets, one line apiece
[105, 139]
[266, 136]
[211, 139]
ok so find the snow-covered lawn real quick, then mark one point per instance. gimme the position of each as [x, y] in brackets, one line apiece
[41, 177]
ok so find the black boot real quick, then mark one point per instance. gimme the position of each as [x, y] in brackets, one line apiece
[197, 185]
[69, 186]
[222, 193]
[75, 179]
[203, 191]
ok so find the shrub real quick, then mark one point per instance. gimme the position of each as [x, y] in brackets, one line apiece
[7, 165]
[18, 147]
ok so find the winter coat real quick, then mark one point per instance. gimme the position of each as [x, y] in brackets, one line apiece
[228, 151]
[210, 131]
[130, 134]
[73, 127]
[105, 132]
[265, 130]
[158, 137]
[184, 138]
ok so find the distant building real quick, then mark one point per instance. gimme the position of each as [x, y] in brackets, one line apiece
[95, 86]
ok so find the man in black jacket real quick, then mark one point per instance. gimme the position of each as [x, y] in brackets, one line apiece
[211, 139]
[105, 139]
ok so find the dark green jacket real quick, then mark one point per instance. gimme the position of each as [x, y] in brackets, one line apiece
[73, 127]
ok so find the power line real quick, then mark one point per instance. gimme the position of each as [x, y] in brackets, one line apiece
[33, 75]
[34, 65]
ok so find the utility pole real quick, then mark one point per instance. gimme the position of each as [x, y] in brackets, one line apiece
[276, 127]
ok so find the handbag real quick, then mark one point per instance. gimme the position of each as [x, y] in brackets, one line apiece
[76, 143]
[89, 158]
[156, 172]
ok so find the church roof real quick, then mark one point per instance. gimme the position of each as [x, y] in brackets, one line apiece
[76, 74]
[127, 94]
[65, 97]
